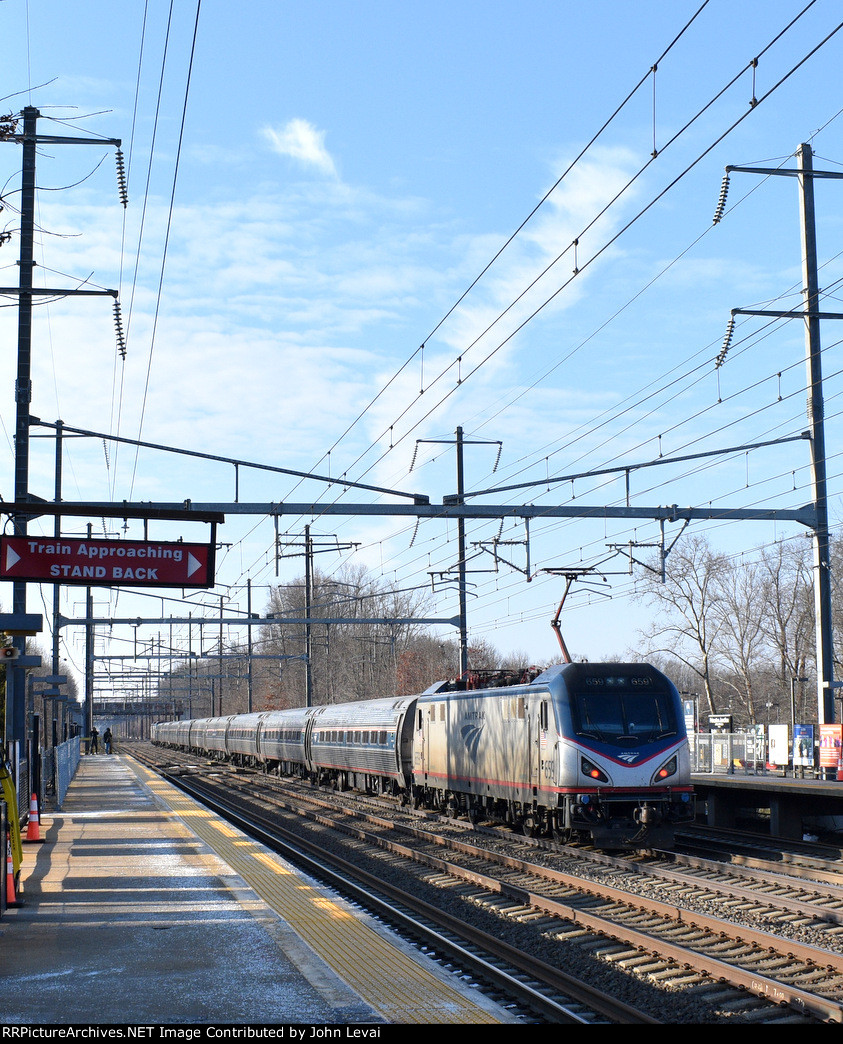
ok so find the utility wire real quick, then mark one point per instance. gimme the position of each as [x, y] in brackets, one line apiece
[581, 268]
[167, 233]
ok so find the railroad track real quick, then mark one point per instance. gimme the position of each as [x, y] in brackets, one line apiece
[544, 993]
[812, 862]
[667, 948]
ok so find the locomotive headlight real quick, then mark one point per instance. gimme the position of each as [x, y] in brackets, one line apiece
[593, 772]
[667, 770]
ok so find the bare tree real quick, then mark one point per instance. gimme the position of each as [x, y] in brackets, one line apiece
[426, 660]
[688, 603]
[789, 618]
[739, 609]
[349, 660]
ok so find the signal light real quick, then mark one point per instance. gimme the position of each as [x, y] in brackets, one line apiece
[668, 769]
[593, 772]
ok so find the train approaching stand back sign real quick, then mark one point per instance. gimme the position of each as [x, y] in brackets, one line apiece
[119, 563]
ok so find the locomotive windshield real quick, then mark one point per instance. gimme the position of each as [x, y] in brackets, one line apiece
[623, 708]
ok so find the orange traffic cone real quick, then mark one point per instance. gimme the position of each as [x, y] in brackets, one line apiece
[11, 898]
[33, 827]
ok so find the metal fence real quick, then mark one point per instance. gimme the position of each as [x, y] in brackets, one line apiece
[739, 753]
[59, 767]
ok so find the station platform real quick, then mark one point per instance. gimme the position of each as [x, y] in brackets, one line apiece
[796, 806]
[141, 907]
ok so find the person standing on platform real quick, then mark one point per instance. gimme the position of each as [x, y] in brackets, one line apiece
[106, 740]
[95, 749]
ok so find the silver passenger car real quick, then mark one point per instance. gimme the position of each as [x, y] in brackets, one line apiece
[209, 734]
[282, 736]
[367, 744]
[242, 735]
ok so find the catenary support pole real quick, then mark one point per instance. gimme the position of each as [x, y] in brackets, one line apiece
[821, 538]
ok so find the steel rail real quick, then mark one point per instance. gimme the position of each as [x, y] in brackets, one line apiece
[778, 992]
[772, 990]
[369, 889]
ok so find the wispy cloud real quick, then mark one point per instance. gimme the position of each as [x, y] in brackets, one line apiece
[301, 141]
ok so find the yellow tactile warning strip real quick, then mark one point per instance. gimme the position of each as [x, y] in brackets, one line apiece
[399, 988]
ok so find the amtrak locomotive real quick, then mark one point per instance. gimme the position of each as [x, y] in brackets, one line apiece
[595, 750]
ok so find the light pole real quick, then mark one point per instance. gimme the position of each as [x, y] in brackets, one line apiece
[793, 682]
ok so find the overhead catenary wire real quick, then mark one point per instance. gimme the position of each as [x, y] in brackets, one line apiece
[419, 352]
[415, 355]
[171, 206]
[595, 256]
[700, 8]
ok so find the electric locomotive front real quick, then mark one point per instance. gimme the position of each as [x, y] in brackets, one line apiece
[625, 774]
[589, 750]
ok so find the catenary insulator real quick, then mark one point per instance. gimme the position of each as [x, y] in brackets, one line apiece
[118, 329]
[121, 179]
[727, 342]
[721, 203]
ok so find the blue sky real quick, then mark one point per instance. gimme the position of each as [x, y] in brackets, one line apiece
[345, 173]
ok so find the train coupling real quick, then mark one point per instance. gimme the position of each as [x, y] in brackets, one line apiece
[647, 816]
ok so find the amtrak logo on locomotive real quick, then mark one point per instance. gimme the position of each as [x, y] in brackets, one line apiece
[471, 738]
